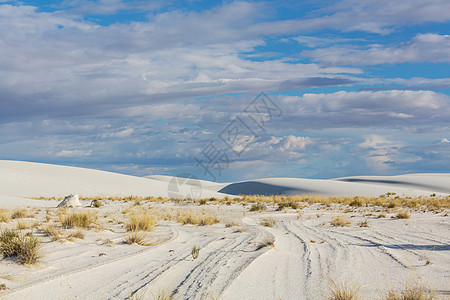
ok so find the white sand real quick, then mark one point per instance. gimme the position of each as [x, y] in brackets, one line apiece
[307, 253]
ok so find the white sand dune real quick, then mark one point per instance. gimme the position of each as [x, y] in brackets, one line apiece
[27, 179]
[420, 184]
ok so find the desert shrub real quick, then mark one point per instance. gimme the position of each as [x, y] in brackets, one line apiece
[136, 237]
[264, 244]
[258, 207]
[19, 214]
[52, 232]
[340, 221]
[187, 217]
[26, 247]
[96, 203]
[364, 223]
[9, 243]
[356, 202]
[79, 234]
[411, 292]
[144, 222]
[403, 215]
[30, 249]
[268, 222]
[195, 252]
[4, 216]
[343, 292]
[23, 225]
[81, 219]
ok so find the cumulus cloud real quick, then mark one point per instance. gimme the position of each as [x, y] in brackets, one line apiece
[428, 47]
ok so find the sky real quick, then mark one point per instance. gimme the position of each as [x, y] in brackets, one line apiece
[227, 90]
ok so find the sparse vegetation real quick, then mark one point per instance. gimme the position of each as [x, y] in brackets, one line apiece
[96, 203]
[137, 237]
[258, 207]
[403, 215]
[80, 219]
[265, 243]
[364, 223]
[195, 252]
[19, 214]
[343, 292]
[411, 292]
[26, 247]
[143, 221]
[188, 217]
[4, 216]
[268, 222]
[340, 221]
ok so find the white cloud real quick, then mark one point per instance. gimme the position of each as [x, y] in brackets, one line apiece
[73, 153]
[429, 47]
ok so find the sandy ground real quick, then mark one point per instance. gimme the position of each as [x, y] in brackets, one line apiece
[307, 253]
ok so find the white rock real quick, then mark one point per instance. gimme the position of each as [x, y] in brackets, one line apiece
[70, 201]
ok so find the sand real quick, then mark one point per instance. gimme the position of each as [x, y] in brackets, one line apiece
[307, 252]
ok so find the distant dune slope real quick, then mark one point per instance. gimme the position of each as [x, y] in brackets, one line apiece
[420, 185]
[27, 179]
[439, 183]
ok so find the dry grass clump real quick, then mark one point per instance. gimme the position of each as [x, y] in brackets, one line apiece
[19, 214]
[23, 225]
[258, 207]
[26, 247]
[188, 217]
[4, 215]
[340, 221]
[411, 292]
[265, 243]
[195, 251]
[284, 205]
[142, 221]
[268, 222]
[343, 292]
[52, 232]
[364, 223]
[79, 234]
[137, 237]
[403, 215]
[96, 203]
[80, 219]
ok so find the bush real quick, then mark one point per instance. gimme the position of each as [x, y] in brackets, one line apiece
[411, 292]
[195, 252]
[96, 203]
[403, 215]
[268, 222]
[84, 220]
[343, 292]
[30, 249]
[141, 222]
[9, 243]
[258, 207]
[340, 221]
[27, 248]
[4, 216]
[137, 237]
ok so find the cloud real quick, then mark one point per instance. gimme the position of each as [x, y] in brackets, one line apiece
[73, 153]
[428, 47]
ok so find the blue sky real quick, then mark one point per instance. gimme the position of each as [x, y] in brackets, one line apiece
[357, 87]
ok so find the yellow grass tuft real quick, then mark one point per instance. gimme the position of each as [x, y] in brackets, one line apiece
[80, 219]
[340, 221]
